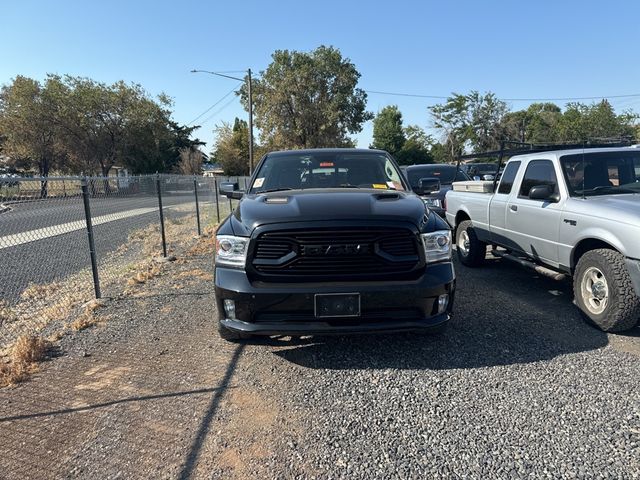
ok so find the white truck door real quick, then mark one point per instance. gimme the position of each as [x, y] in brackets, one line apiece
[498, 205]
[533, 224]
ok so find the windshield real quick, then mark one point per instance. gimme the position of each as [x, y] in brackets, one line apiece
[482, 169]
[445, 173]
[289, 171]
[602, 173]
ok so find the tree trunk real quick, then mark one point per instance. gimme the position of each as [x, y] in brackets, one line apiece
[43, 168]
[105, 174]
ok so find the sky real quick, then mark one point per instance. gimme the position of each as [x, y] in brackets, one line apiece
[516, 49]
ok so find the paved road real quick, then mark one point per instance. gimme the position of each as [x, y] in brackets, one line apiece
[33, 215]
[518, 387]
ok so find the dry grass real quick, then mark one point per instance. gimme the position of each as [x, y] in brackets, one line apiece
[23, 359]
[7, 314]
[85, 320]
[146, 272]
[39, 292]
[206, 243]
[88, 317]
[196, 273]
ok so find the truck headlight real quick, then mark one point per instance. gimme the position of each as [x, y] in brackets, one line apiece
[437, 246]
[231, 251]
[432, 202]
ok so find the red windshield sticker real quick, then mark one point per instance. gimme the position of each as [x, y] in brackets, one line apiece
[326, 164]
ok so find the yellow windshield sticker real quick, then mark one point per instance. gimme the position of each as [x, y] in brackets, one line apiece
[379, 185]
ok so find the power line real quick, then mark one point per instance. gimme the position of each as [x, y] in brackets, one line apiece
[568, 99]
[218, 111]
[212, 106]
[407, 94]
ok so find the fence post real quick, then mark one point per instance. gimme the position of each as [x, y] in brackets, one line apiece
[164, 240]
[215, 186]
[195, 190]
[92, 246]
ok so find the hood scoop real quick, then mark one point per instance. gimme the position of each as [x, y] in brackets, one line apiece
[387, 196]
[276, 200]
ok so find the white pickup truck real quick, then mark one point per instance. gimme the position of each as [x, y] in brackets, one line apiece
[570, 212]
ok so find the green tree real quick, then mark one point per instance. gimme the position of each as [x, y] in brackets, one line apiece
[597, 121]
[439, 153]
[102, 122]
[416, 148]
[471, 121]
[28, 122]
[452, 120]
[306, 100]
[388, 133]
[486, 113]
[231, 149]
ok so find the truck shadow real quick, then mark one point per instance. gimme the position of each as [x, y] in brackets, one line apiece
[504, 315]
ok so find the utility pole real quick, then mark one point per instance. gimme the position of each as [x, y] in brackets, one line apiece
[250, 122]
[248, 81]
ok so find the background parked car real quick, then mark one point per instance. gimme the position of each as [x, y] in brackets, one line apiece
[434, 194]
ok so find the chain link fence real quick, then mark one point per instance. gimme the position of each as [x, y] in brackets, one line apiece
[67, 240]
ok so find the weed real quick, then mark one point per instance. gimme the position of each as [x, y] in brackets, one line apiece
[24, 356]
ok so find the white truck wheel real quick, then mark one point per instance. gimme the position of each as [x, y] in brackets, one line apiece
[604, 292]
[471, 251]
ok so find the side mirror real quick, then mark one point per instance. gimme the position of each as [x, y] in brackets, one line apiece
[427, 185]
[544, 192]
[236, 194]
[227, 188]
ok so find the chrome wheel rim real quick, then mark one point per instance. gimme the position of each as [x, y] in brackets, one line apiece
[595, 290]
[463, 243]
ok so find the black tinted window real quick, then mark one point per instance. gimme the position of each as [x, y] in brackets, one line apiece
[539, 172]
[445, 173]
[508, 176]
[326, 169]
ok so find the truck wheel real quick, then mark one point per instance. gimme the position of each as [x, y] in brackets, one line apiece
[230, 335]
[603, 291]
[471, 251]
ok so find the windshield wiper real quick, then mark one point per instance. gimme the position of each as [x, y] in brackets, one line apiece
[346, 185]
[604, 188]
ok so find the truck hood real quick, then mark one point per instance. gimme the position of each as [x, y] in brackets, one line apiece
[326, 204]
[624, 208]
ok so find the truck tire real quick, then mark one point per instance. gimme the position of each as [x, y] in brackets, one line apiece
[603, 291]
[471, 251]
[230, 335]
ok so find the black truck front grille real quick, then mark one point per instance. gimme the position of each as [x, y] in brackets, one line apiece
[338, 254]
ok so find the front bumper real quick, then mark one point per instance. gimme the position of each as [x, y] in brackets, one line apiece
[288, 309]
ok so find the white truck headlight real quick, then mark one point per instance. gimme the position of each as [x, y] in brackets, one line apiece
[437, 245]
[231, 251]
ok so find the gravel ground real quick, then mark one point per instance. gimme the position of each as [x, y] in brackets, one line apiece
[517, 387]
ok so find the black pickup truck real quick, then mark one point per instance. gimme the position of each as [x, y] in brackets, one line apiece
[331, 241]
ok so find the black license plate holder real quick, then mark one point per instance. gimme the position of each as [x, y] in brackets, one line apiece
[332, 305]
